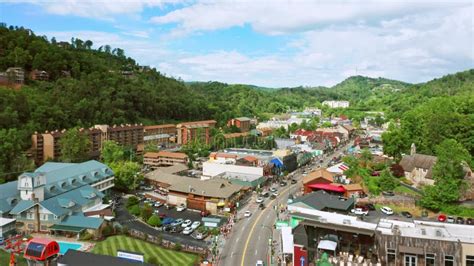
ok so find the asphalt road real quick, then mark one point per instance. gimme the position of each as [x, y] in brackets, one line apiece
[249, 241]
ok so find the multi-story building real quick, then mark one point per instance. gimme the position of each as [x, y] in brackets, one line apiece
[16, 75]
[243, 123]
[54, 197]
[160, 135]
[337, 104]
[198, 130]
[39, 75]
[125, 135]
[153, 160]
[46, 145]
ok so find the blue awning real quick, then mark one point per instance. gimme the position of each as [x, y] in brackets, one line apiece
[277, 162]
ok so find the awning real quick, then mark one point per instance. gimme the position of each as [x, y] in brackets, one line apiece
[328, 187]
[327, 245]
[74, 229]
[411, 250]
[220, 204]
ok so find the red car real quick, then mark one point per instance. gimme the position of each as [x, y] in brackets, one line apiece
[442, 218]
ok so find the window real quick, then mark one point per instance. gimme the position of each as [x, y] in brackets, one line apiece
[429, 259]
[469, 260]
[29, 215]
[449, 260]
[390, 256]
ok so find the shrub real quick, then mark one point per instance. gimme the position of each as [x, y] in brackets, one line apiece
[107, 230]
[132, 201]
[135, 210]
[85, 236]
[146, 212]
[154, 220]
[178, 247]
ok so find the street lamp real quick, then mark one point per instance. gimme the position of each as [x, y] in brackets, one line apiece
[270, 243]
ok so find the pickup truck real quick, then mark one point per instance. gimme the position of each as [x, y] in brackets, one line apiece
[359, 211]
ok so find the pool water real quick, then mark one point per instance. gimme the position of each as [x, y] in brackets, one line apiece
[65, 246]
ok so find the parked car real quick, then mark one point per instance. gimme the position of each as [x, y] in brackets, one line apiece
[181, 208]
[360, 211]
[442, 218]
[176, 229]
[259, 200]
[386, 210]
[293, 181]
[168, 207]
[460, 220]
[363, 207]
[196, 224]
[162, 215]
[156, 211]
[261, 206]
[199, 235]
[166, 228]
[450, 219]
[273, 189]
[205, 213]
[188, 230]
[283, 183]
[167, 220]
[469, 221]
[388, 193]
[370, 206]
[247, 214]
[2, 240]
[186, 223]
[177, 222]
[406, 214]
[158, 204]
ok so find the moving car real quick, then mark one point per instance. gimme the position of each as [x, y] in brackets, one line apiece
[442, 218]
[259, 263]
[195, 225]
[450, 219]
[259, 200]
[261, 206]
[188, 230]
[360, 211]
[265, 194]
[406, 214]
[386, 210]
[247, 214]
[186, 223]
[177, 222]
[181, 208]
[273, 189]
[283, 183]
[293, 181]
[275, 194]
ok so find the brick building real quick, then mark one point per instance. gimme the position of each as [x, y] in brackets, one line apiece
[164, 158]
[190, 131]
[160, 135]
[125, 135]
[39, 75]
[243, 123]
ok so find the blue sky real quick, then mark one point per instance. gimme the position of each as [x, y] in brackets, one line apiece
[268, 43]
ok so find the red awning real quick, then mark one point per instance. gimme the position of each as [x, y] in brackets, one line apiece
[328, 187]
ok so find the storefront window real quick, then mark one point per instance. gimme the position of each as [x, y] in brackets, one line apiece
[449, 261]
[430, 259]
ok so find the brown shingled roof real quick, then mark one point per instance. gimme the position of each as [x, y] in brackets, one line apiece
[410, 162]
[321, 172]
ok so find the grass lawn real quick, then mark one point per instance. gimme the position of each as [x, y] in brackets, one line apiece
[163, 256]
[405, 190]
[5, 259]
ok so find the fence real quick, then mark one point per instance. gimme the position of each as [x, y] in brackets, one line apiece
[165, 243]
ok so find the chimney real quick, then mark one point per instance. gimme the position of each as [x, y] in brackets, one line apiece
[37, 214]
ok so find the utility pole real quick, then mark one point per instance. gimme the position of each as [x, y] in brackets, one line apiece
[270, 244]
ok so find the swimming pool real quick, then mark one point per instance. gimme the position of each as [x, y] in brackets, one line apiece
[65, 246]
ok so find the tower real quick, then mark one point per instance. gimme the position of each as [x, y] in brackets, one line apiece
[413, 149]
[31, 185]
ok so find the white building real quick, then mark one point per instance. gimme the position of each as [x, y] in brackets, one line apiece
[337, 104]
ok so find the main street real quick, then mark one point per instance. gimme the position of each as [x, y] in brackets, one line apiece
[249, 241]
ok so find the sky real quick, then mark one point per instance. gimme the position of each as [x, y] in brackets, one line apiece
[275, 43]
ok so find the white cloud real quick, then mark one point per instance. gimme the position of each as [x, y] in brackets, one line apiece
[99, 9]
[283, 16]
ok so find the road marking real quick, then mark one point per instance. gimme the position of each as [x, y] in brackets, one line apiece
[256, 251]
[253, 228]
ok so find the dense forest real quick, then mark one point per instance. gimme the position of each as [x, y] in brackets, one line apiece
[103, 85]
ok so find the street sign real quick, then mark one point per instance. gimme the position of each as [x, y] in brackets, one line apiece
[302, 259]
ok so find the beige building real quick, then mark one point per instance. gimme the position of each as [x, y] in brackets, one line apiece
[164, 158]
[160, 134]
[198, 130]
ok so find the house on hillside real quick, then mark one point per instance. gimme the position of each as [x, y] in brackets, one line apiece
[418, 167]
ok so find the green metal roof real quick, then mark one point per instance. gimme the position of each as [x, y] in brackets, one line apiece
[22, 206]
[75, 229]
[82, 221]
[8, 192]
[80, 196]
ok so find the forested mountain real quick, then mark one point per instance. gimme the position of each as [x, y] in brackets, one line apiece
[106, 86]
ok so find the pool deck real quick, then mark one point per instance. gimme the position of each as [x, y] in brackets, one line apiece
[86, 246]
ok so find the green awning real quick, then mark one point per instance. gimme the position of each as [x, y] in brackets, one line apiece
[74, 229]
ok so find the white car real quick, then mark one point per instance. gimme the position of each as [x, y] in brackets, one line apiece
[247, 214]
[188, 230]
[186, 223]
[156, 211]
[386, 210]
[195, 225]
[180, 208]
[275, 194]
[359, 211]
[259, 263]
[259, 200]
[158, 204]
[273, 189]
